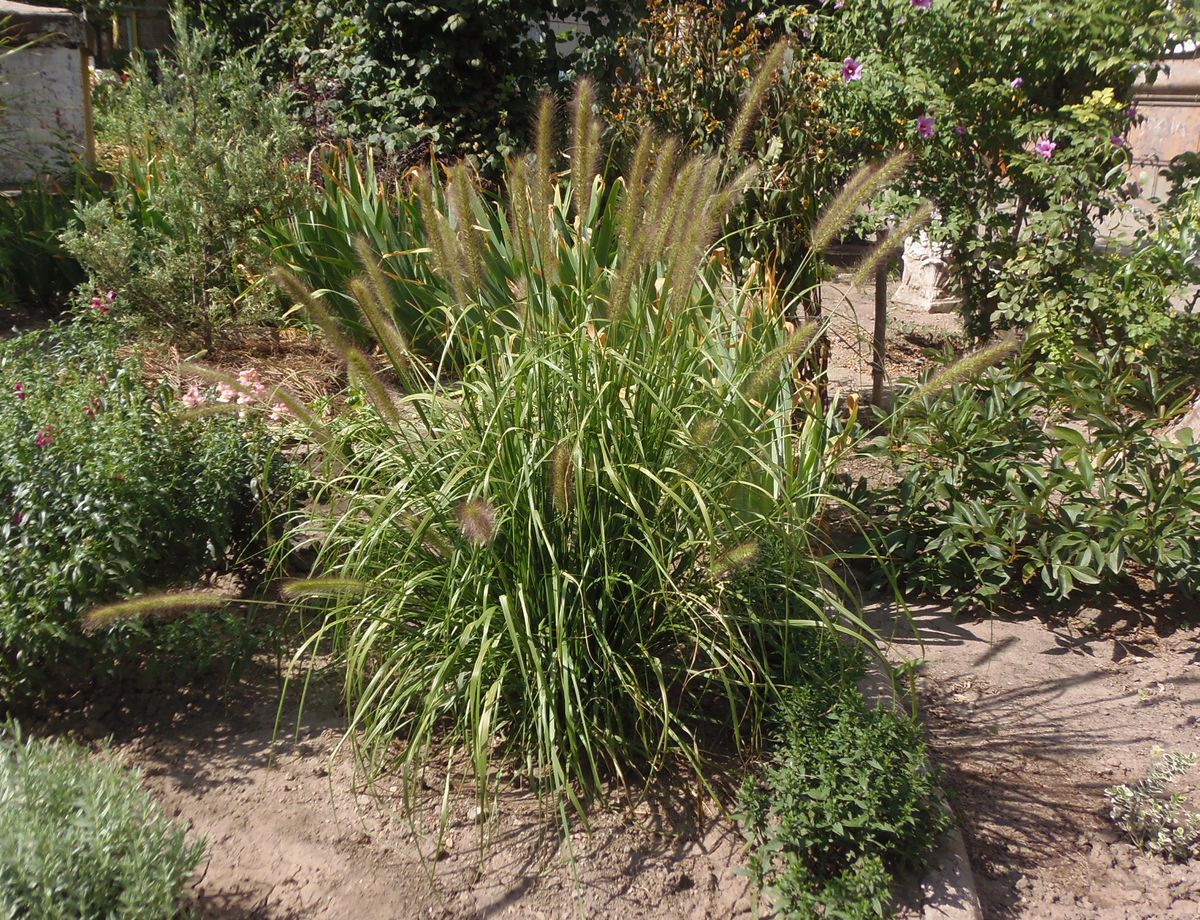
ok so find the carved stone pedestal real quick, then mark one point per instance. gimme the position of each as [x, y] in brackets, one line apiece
[925, 284]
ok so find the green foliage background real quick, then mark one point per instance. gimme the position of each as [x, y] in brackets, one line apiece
[462, 76]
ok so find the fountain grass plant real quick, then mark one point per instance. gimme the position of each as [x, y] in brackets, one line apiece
[586, 541]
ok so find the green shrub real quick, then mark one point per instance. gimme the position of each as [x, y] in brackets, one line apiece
[80, 838]
[462, 77]
[198, 154]
[847, 802]
[106, 489]
[1041, 483]
[601, 534]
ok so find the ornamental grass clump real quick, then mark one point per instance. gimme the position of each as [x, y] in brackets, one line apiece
[586, 541]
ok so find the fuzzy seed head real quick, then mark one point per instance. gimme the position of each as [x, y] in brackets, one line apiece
[477, 521]
[735, 558]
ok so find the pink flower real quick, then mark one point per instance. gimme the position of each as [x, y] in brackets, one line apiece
[925, 126]
[226, 393]
[851, 69]
[44, 437]
[923, 4]
[99, 305]
[1045, 148]
[19, 389]
[280, 412]
[249, 380]
[1017, 82]
[111, 296]
[194, 397]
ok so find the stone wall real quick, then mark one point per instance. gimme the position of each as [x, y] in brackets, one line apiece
[1169, 122]
[45, 112]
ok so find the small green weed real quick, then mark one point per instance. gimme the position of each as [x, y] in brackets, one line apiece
[847, 801]
[1156, 822]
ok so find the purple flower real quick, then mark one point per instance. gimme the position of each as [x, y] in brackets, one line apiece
[1117, 141]
[44, 437]
[922, 4]
[19, 389]
[1017, 82]
[851, 69]
[839, 5]
[1131, 113]
[925, 126]
[1045, 148]
[960, 130]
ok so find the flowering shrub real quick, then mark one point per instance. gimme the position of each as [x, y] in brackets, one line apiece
[1016, 116]
[104, 490]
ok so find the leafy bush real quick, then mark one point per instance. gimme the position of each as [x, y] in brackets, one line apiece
[1156, 822]
[106, 489]
[80, 838]
[847, 801]
[686, 72]
[460, 77]
[601, 533]
[1043, 482]
[198, 152]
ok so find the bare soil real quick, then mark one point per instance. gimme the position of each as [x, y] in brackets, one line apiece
[293, 834]
[1030, 720]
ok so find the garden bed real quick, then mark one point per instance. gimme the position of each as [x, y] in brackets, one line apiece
[291, 834]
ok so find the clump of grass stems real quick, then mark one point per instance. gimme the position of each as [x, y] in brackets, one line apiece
[589, 538]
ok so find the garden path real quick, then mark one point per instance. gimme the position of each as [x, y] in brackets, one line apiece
[1031, 719]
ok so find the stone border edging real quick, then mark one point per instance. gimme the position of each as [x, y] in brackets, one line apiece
[948, 887]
